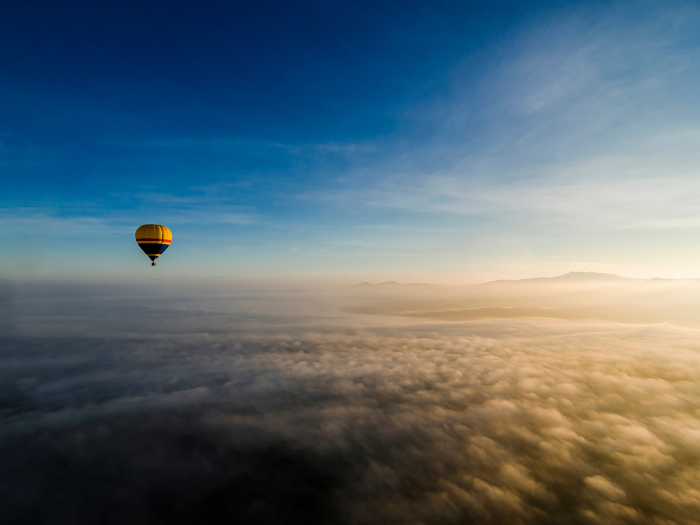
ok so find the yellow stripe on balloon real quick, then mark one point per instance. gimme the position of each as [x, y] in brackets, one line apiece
[154, 231]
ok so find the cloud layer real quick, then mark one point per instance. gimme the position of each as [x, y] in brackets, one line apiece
[499, 421]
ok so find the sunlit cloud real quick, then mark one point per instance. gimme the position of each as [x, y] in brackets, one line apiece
[496, 421]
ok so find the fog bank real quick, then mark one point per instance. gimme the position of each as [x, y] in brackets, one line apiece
[189, 411]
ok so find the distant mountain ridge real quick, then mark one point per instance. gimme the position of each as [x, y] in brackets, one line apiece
[572, 277]
[394, 283]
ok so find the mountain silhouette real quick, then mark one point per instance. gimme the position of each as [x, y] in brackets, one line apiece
[571, 277]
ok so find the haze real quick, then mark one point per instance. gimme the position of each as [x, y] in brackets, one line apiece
[432, 263]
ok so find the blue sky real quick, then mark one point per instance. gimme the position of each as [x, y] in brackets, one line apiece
[433, 141]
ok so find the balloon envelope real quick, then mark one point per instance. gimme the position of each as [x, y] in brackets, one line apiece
[153, 239]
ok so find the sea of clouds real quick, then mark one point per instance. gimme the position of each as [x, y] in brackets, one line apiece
[118, 410]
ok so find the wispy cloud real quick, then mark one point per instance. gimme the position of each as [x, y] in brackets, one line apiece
[15, 222]
[226, 144]
[579, 123]
[38, 221]
[616, 202]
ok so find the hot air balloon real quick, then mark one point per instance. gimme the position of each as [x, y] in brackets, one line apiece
[153, 239]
